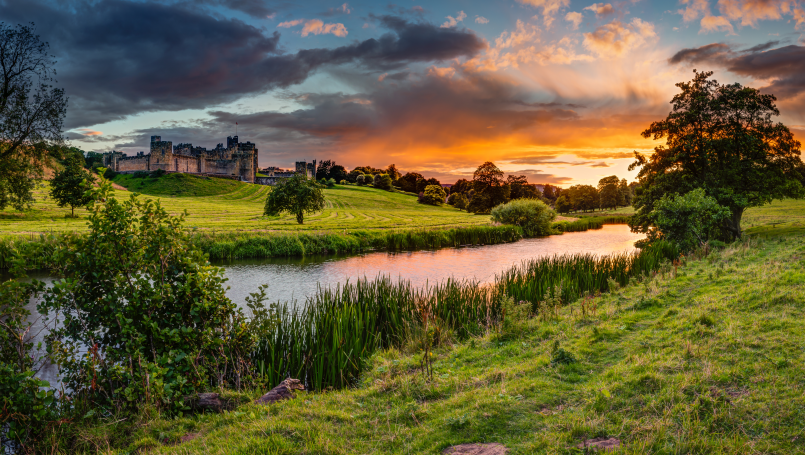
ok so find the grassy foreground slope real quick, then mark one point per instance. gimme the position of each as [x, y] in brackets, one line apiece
[228, 206]
[707, 358]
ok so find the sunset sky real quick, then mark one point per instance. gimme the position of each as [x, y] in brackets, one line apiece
[558, 90]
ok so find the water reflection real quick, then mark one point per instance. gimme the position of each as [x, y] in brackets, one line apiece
[298, 278]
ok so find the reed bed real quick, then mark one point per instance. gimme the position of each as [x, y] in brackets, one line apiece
[585, 224]
[328, 341]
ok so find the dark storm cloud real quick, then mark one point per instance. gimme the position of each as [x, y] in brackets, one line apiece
[254, 8]
[708, 54]
[118, 58]
[784, 66]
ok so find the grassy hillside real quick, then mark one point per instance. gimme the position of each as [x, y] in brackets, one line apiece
[181, 185]
[241, 209]
[706, 358]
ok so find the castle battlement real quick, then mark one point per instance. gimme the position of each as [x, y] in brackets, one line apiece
[236, 160]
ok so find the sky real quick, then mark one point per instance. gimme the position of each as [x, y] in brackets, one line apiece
[557, 90]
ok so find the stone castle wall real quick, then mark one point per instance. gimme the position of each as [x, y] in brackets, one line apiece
[238, 161]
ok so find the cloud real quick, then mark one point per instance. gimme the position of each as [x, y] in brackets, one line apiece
[316, 27]
[254, 8]
[453, 21]
[716, 24]
[781, 69]
[343, 9]
[574, 18]
[539, 177]
[549, 8]
[551, 160]
[709, 23]
[601, 9]
[481, 20]
[213, 60]
[616, 38]
[749, 12]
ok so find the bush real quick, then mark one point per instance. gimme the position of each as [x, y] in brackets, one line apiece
[360, 180]
[156, 322]
[158, 173]
[689, 220]
[532, 215]
[433, 195]
[141, 174]
[383, 182]
[458, 200]
[330, 183]
[342, 182]
[368, 179]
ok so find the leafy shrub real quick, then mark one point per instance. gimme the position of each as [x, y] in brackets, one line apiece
[533, 215]
[383, 182]
[158, 173]
[25, 410]
[150, 310]
[330, 183]
[458, 200]
[433, 195]
[689, 220]
[140, 174]
[342, 182]
[368, 179]
[360, 180]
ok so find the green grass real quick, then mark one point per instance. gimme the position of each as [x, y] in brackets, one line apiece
[706, 358]
[183, 185]
[347, 208]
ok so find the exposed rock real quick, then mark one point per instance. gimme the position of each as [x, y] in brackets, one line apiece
[283, 391]
[476, 449]
[600, 444]
[209, 402]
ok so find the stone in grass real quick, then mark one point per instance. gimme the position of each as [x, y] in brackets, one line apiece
[476, 449]
[283, 391]
[600, 444]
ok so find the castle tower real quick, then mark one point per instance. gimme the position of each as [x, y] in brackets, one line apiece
[161, 155]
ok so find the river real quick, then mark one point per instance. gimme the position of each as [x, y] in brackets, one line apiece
[291, 279]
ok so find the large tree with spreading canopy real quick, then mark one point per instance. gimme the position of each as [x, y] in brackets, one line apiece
[720, 138]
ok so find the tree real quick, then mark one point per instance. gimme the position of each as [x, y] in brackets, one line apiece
[393, 172]
[69, 186]
[296, 195]
[368, 179]
[323, 169]
[490, 189]
[408, 182]
[434, 195]
[422, 184]
[608, 193]
[458, 200]
[31, 113]
[361, 180]
[352, 177]
[532, 215]
[337, 173]
[383, 182]
[689, 220]
[563, 204]
[583, 197]
[521, 189]
[461, 186]
[625, 193]
[720, 138]
[550, 192]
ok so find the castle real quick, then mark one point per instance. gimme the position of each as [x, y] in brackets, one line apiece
[238, 160]
[272, 174]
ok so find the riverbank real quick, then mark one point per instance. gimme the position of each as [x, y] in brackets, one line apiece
[702, 358]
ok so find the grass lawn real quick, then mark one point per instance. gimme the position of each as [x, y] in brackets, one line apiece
[222, 205]
[705, 359]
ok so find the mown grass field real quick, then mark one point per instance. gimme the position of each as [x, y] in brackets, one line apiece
[218, 205]
[704, 359]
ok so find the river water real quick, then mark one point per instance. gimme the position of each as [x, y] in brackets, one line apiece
[291, 279]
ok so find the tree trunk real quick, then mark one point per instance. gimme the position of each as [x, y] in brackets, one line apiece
[733, 223]
[300, 217]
